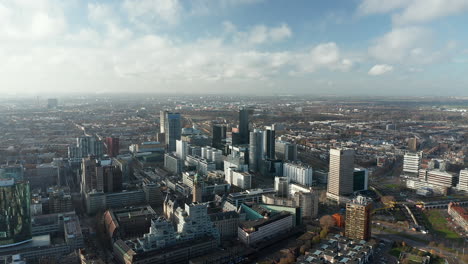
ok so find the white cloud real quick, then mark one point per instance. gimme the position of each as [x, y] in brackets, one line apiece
[208, 7]
[259, 34]
[43, 25]
[368, 7]
[413, 11]
[324, 56]
[150, 11]
[280, 33]
[325, 53]
[100, 13]
[380, 69]
[39, 20]
[426, 10]
[401, 44]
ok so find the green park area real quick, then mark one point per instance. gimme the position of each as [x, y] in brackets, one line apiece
[409, 255]
[440, 225]
[393, 186]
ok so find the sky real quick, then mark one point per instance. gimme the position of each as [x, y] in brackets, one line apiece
[323, 47]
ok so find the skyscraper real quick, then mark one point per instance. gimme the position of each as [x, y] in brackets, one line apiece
[172, 129]
[413, 144]
[85, 146]
[463, 180]
[15, 216]
[52, 103]
[340, 177]
[112, 146]
[269, 142]
[285, 150]
[100, 175]
[411, 162]
[244, 125]
[181, 149]
[255, 150]
[298, 173]
[360, 179]
[162, 121]
[219, 135]
[358, 219]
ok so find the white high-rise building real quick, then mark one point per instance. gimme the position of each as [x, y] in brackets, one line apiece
[340, 177]
[298, 173]
[463, 180]
[213, 155]
[282, 186]
[237, 178]
[181, 149]
[411, 162]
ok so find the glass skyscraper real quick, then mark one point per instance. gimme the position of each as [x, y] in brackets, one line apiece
[172, 130]
[15, 216]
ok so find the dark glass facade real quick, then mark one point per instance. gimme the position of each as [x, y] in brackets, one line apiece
[15, 216]
[359, 180]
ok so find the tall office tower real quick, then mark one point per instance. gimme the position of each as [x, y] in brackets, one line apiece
[358, 219]
[219, 135]
[285, 150]
[172, 130]
[101, 176]
[463, 180]
[15, 171]
[269, 142]
[213, 155]
[290, 152]
[162, 121]
[112, 178]
[411, 162]
[298, 173]
[181, 149]
[244, 126]
[413, 144]
[282, 186]
[172, 163]
[88, 145]
[89, 180]
[60, 201]
[360, 179]
[112, 146]
[255, 150]
[340, 176]
[52, 103]
[15, 212]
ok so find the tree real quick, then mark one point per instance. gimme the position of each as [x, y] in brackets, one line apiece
[387, 200]
[305, 247]
[302, 249]
[324, 232]
[283, 261]
[327, 221]
[316, 239]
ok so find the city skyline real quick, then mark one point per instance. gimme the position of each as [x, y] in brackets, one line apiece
[369, 47]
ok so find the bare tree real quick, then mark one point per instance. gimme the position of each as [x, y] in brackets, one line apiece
[327, 221]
